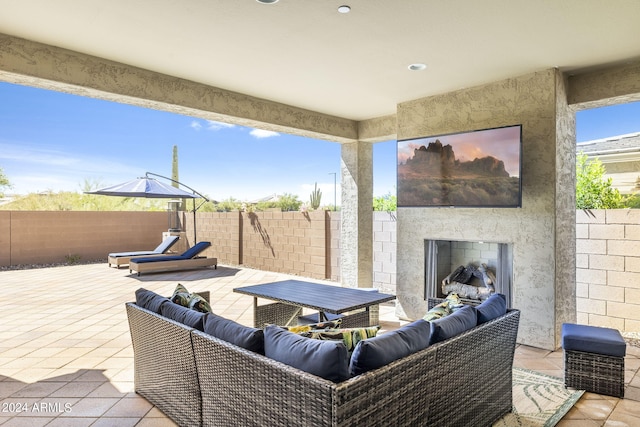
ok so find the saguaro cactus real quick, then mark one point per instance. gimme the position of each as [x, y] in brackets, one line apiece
[315, 197]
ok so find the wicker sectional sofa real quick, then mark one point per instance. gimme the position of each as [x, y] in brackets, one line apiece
[198, 379]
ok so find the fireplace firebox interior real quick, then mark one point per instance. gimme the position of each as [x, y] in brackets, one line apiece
[443, 257]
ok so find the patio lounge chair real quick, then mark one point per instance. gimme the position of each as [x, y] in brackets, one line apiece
[188, 259]
[121, 258]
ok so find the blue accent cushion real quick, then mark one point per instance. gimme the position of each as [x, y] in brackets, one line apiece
[381, 350]
[326, 359]
[150, 300]
[593, 339]
[491, 308]
[453, 324]
[191, 318]
[235, 333]
[195, 249]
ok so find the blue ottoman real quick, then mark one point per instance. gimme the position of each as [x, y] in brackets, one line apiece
[593, 359]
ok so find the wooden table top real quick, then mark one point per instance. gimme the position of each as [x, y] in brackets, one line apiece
[332, 299]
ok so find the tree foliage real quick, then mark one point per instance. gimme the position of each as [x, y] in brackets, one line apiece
[4, 182]
[289, 202]
[386, 203]
[593, 190]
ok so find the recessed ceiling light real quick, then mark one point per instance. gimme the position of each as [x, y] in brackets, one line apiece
[267, 1]
[417, 67]
[344, 9]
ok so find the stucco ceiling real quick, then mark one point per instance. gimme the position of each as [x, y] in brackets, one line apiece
[306, 54]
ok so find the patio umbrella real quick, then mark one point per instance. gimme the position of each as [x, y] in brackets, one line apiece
[151, 188]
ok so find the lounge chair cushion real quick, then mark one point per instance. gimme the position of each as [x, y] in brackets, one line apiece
[164, 246]
[235, 333]
[383, 349]
[195, 249]
[188, 254]
[453, 324]
[326, 359]
[193, 319]
[150, 300]
[491, 308]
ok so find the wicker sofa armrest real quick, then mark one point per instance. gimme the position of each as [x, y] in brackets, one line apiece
[164, 365]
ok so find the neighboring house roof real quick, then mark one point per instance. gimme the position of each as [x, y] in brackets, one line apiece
[620, 156]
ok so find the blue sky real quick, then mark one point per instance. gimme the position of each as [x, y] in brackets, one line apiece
[56, 141]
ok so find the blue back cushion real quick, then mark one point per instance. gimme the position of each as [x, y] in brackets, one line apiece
[453, 324]
[326, 359]
[193, 319]
[195, 249]
[491, 308]
[235, 333]
[378, 351]
[150, 300]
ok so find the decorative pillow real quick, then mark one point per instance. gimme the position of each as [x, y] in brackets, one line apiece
[188, 317]
[454, 324]
[150, 300]
[235, 333]
[491, 308]
[450, 304]
[383, 349]
[454, 301]
[193, 301]
[439, 311]
[326, 359]
[350, 337]
[331, 324]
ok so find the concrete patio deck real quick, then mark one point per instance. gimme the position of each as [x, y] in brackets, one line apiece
[66, 357]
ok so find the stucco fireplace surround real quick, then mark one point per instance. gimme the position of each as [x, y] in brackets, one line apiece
[540, 234]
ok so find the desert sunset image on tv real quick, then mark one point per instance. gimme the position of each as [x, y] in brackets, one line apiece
[471, 169]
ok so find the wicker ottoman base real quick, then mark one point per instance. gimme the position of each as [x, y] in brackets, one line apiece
[592, 372]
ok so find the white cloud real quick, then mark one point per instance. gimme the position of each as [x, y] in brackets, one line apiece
[213, 125]
[261, 133]
[195, 125]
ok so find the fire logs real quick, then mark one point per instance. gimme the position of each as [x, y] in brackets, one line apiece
[461, 281]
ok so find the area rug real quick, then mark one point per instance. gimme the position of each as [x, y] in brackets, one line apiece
[539, 400]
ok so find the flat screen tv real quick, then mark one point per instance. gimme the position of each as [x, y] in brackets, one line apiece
[480, 168]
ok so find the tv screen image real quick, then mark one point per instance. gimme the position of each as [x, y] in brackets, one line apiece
[479, 168]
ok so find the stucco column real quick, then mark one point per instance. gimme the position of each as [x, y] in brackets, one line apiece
[356, 260]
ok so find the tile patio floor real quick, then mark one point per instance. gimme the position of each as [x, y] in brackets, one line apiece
[66, 358]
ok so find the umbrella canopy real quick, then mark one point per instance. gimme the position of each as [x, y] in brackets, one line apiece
[145, 187]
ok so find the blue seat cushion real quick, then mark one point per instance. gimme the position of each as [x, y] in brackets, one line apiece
[158, 258]
[191, 318]
[453, 324]
[235, 333]
[326, 359]
[491, 308]
[150, 300]
[380, 350]
[593, 339]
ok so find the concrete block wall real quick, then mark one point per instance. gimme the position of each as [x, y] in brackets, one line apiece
[608, 268]
[384, 251]
[43, 237]
[285, 242]
[222, 229]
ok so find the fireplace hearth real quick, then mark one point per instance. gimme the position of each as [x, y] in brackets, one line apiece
[473, 270]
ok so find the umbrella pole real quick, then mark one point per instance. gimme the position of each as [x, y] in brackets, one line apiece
[194, 222]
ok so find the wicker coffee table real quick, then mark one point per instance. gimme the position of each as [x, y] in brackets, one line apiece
[356, 307]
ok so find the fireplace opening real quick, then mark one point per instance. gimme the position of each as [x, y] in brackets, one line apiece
[473, 270]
